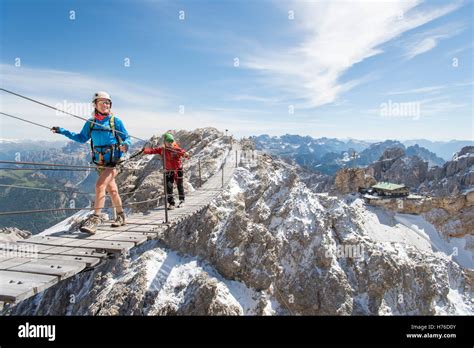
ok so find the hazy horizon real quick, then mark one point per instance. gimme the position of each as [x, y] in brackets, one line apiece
[271, 135]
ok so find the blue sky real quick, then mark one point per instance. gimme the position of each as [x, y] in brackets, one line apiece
[358, 69]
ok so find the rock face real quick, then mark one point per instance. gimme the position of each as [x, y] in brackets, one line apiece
[350, 179]
[394, 166]
[453, 216]
[426, 155]
[269, 244]
[207, 148]
[203, 299]
[454, 177]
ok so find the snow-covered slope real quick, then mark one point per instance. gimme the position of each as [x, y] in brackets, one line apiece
[388, 227]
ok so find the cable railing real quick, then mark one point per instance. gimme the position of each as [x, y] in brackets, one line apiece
[45, 166]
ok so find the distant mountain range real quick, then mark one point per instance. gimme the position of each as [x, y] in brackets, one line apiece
[14, 198]
[444, 149]
[327, 155]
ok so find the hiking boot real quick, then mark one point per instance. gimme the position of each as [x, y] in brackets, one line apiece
[171, 207]
[181, 204]
[119, 220]
[91, 224]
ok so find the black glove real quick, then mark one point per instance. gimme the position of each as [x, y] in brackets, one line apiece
[55, 129]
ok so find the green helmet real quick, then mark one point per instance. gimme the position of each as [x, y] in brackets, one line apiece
[169, 138]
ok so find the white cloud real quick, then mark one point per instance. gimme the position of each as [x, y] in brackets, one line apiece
[144, 110]
[435, 89]
[430, 107]
[336, 37]
[426, 41]
[78, 87]
[64, 88]
[428, 89]
[257, 99]
[459, 50]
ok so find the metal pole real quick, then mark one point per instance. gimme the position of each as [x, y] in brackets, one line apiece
[236, 165]
[199, 168]
[223, 173]
[164, 182]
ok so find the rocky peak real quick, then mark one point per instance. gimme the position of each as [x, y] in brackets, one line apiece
[467, 151]
[454, 177]
[425, 154]
[392, 153]
[12, 234]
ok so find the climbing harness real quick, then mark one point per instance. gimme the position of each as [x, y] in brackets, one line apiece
[116, 155]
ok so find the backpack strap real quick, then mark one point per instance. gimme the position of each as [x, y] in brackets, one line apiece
[91, 127]
[112, 127]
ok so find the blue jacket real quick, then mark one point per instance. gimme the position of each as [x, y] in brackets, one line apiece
[100, 137]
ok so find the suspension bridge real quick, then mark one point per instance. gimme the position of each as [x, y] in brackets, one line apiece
[32, 265]
[42, 261]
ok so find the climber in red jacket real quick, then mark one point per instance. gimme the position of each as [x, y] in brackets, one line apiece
[173, 166]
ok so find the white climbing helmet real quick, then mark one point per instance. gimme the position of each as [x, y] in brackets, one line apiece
[101, 95]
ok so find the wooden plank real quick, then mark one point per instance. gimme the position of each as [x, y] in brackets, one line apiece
[150, 224]
[54, 241]
[137, 238]
[108, 246]
[143, 231]
[133, 237]
[19, 250]
[89, 261]
[74, 251]
[152, 220]
[107, 229]
[6, 263]
[130, 227]
[9, 246]
[111, 246]
[59, 250]
[17, 286]
[86, 236]
[60, 268]
[88, 252]
[148, 233]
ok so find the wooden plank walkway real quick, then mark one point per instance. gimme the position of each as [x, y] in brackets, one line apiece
[32, 265]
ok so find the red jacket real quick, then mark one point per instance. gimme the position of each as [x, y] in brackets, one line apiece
[172, 156]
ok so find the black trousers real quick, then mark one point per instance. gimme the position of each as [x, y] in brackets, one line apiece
[170, 176]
